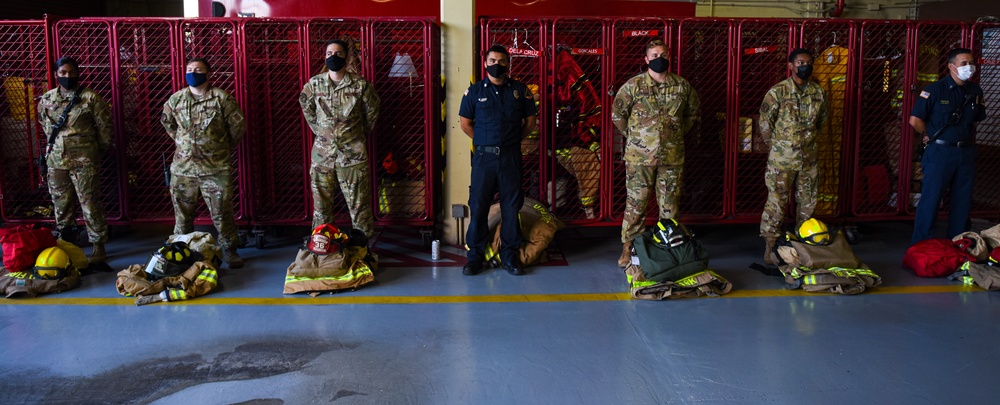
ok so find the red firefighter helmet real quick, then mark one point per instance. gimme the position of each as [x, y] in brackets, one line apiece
[326, 239]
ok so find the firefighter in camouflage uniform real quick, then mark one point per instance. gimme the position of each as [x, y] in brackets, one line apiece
[206, 124]
[653, 110]
[794, 111]
[341, 108]
[73, 158]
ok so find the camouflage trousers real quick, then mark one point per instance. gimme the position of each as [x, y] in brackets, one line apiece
[639, 182]
[357, 188]
[66, 186]
[217, 191]
[779, 184]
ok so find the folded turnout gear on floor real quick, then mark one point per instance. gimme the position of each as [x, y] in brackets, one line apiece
[199, 279]
[538, 228]
[25, 284]
[703, 283]
[348, 266]
[830, 267]
[983, 275]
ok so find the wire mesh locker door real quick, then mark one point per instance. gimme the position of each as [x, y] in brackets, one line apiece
[834, 50]
[704, 61]
[145, 82]
[882, 77]
[628, 41]
[763, 48]
[986, 49]
[278, 173]
[575, 186]
[933, 41]
[24, 74]
[318, 33]
[215, 40]
[525, 39]
[90, 43]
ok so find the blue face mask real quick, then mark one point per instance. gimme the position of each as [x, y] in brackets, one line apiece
[196, 79]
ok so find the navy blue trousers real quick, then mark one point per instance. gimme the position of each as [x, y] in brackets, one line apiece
[490, 173]
[944, 167]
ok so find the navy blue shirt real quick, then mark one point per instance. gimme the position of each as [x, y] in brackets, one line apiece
[497, 112]
[939, 100]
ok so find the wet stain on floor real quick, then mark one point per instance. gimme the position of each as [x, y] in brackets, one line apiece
[148, 380]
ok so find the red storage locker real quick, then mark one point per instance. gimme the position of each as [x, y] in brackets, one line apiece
[145, 76]
[278, 140]
[24, 71]
[90, 42]
[931, 43]
[576, 111]
[526, 40]
[762, 47]
[628, 40]
[986, 49]
[215, 40]
[404, 75]
[835, 55]
[882, 120]
[703, 59]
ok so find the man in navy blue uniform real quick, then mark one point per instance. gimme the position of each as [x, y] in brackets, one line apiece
[497, 113]
[946, 113]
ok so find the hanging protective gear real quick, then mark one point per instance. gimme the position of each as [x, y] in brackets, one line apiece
[659, 65]
[53, 263]
[171, 260]
[670, 233]
[195, 79]
[335, 63]
[326, 239]
[814, 232]
[498, 71]
[804, 71]
[965, 72]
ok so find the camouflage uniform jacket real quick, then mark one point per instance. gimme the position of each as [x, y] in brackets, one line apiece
[654, 118]
[204, 129]
[340, 115]
[791, 119]
[86, 133]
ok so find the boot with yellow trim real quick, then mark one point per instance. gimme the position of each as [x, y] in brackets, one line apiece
[626, 257]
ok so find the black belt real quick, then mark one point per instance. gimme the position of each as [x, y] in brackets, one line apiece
[959, 144]
[489, 149]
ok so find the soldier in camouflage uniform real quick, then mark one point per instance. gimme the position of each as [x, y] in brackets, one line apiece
[653, 110]
[341, 108]
[206, 124]
[74, 158]
[791, 116]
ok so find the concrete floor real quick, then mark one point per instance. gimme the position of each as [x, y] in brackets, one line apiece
[564, 334]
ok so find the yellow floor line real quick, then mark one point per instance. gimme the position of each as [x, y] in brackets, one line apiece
[347, 299]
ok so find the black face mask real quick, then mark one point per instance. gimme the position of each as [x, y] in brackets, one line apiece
[498, 71]
[659, 65]
[68, 83]
[335, 63]
[804, 71]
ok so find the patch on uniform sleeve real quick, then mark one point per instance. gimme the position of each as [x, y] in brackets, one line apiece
[466, 92]
[925, 94]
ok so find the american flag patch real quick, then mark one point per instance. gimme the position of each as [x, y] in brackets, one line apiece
[925, 94]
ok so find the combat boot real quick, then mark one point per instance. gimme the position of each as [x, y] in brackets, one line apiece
[626, 257]
[98, 255]
[769, 256]
[232, 258]
[67, 234]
